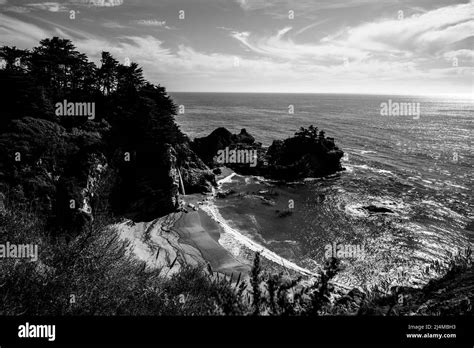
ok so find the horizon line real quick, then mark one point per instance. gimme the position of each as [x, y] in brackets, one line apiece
[457, 95]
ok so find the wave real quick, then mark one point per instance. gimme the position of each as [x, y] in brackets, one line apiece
[366, 167]
[226, 180]
[244, 241]
[449, 183]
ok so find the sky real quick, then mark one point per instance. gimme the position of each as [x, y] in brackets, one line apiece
[279, 46]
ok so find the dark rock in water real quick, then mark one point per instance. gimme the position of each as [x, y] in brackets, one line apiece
[285, 213]
[321, 198]
[375, 209]
[307, 154]
[243, 137]
[303, 156]
[208, 148]
[224, 194]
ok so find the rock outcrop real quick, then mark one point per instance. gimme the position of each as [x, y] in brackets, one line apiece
[303, 156]
[208, 147]
[158, 183]
[196, 175]
[307, 154]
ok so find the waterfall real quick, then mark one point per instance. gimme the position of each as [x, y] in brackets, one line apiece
[181, 182]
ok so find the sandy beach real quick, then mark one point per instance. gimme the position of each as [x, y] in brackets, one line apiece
[182, 238]
[198, 229]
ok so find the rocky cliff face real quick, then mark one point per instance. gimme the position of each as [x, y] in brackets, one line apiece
[196, 175]
[152, 184]
[157, 182]
[96, 171]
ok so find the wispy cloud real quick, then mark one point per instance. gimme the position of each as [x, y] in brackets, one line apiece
[16, 9]
[152, 23]
[18, 33]
[278, 47]
[99, 3]
[310, 26]
[415, 37]
[113, 25]
[429, 32]
[306, 8]
[49, 6]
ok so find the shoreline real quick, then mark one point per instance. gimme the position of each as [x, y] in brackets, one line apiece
[238, 240]
[245, 242]
[198, 237]
[202, 238]
[235, 240]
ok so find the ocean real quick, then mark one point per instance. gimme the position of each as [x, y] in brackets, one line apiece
[418, 166]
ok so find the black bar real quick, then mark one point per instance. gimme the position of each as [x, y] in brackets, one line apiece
[289, 331]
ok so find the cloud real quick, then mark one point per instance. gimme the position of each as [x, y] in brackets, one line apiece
[63, 6]
[49, 6]
[17, 9]
[152, 23]
[279, 48]
[466, 55]
[18, 33]
[400, 52]
[251, 5]
[305, 8]
[113, 25]
[412, 38]
[100, 3]
[429, 32]
[310, 26]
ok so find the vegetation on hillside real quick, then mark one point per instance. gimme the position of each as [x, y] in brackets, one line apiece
[93, 274]
[46, 158]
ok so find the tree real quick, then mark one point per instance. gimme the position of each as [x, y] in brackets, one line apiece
[303, 133]
[13, 57]
[130, 78]
[311, 132]
[57, 63]
[107, 74]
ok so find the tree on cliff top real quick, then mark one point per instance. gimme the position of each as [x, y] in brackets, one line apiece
[131, 115]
